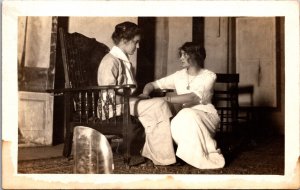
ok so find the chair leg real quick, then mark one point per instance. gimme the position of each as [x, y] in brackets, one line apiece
[68, 144]
[69, 132]
[132, 132]
[128, 140]
[126, 154]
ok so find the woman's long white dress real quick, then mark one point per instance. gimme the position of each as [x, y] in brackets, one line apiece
[194, 127]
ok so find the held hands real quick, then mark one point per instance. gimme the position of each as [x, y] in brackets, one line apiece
[146, 91]
[144, 96]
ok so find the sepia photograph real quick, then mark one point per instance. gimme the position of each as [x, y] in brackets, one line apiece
[150, 99]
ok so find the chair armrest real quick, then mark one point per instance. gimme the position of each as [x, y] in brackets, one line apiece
[160, 92]
[85, 103]
[61, 91]
[91, 88]
[55, 92]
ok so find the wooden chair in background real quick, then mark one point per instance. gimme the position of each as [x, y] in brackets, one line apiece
[225, 100]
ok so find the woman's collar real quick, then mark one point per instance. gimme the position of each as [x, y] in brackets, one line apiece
[117, 52]
[199, 71]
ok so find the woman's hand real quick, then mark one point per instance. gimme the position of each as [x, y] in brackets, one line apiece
[144, 96]
[191, 104]
[146, 91]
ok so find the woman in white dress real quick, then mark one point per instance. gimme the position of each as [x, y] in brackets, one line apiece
[194, 126]
[154, 114]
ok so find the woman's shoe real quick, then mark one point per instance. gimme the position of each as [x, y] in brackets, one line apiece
[179, 162]
[146, 163]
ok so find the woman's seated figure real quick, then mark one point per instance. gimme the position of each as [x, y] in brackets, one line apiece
[194, 126]
[154, 114]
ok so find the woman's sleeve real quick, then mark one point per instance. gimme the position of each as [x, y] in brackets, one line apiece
[108, 72]
[205, 91]
[166, 82]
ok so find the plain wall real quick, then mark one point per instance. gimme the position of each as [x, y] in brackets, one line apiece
[172, 32]
[36, 47]
[161, 47]
[180, 31]
[216, 44]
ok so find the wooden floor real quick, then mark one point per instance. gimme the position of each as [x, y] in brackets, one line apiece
[41, 152]
[257, 156]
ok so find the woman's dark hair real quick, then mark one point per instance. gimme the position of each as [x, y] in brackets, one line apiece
[126, 30]
[195, 51]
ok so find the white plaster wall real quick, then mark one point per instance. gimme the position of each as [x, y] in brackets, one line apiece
[216, 42]
[180, 31]
[161, 47]
[21, 36]
[38, 36]
[100, 28]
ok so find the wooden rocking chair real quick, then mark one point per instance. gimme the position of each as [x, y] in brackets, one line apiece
[86, 103]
